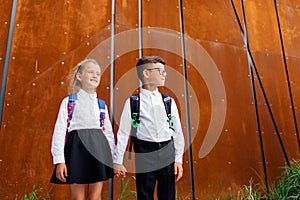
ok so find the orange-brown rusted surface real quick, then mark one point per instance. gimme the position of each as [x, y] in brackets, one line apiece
[50, 37]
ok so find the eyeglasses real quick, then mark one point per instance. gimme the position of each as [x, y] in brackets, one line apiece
[160, 70]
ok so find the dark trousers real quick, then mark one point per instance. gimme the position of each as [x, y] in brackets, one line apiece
[155, 163]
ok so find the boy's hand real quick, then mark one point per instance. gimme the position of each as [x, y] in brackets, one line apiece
[119, 170]
[178, 171]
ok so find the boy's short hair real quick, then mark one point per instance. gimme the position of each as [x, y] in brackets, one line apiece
[150, 59]
[142, 64]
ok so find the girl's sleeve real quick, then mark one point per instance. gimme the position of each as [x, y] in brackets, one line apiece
[108, 131]
[59, 133]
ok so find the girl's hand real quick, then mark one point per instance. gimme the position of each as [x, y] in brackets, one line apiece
[61, 172]
[119, 170]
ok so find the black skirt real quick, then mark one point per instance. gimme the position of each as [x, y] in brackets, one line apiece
[87, 156]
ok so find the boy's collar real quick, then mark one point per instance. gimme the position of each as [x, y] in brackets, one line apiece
[148, 92]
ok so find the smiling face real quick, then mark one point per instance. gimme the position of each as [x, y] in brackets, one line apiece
[89, 77]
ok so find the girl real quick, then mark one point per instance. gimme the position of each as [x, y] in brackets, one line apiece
[83, 156]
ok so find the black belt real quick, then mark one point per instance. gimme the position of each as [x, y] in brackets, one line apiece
[157, 145]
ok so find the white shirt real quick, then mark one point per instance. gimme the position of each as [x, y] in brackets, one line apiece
[86, 115]
[154, 126]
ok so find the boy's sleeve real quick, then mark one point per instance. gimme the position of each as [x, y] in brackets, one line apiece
[123, 134]
[178, 134]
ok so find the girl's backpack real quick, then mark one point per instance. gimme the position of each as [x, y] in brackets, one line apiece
[71, 105]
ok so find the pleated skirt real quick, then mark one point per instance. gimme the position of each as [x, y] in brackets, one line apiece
[87, 156]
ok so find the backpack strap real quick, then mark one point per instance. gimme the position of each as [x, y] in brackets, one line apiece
[101, 105]
[135, 110]
[135, 119]
[71, 106]
[167, 102]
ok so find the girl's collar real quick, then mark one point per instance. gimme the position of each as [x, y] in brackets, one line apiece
[84, 93]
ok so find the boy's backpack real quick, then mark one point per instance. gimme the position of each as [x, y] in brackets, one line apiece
[71, 105]
[135, 115]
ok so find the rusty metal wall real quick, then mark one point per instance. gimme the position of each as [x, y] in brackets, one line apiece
[231, 143]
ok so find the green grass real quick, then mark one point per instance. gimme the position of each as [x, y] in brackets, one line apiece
[286, 187]
[126, 192]
[251, 192]
[37, 193]
[288, 184]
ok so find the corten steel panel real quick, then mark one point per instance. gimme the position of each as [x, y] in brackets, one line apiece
[5, 12]
[51, 37]
[289, 20]
[240, 120]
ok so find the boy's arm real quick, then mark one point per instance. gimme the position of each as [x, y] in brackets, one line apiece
[123, 134]
[178, 134]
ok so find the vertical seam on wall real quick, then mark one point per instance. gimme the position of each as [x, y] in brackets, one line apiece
[190, 155]
[7, 57]
[112, 82]
[287, 73]
[140, 25]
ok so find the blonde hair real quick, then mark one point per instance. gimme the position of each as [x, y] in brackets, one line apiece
[75, 84]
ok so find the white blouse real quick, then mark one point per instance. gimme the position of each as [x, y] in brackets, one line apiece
[86, 115]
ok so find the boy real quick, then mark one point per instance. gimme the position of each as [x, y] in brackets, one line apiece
[158, 144]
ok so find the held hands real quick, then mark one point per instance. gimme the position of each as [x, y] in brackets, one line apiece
[119, 170]
[178, 171]
[61, 172]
